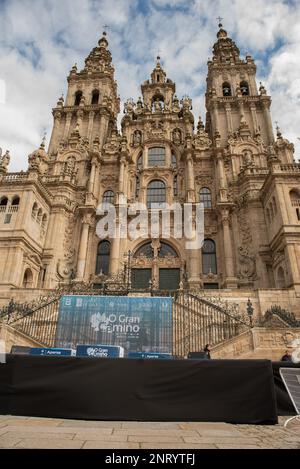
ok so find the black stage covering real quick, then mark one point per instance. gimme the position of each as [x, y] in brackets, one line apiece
[235, 391]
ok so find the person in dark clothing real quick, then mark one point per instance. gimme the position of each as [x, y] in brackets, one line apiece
[207, 351]
[287, 357]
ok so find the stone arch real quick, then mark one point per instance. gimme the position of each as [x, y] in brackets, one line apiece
[27, 278]
[15, 201]
[280, 277]
[34, 210]
[77, 97]
[95, 97]
[3, 201]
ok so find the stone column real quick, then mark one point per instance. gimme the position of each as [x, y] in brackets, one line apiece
[292, 264]
[68, 125]
[115, 251]
[254, 116]
[83, 246]
[90, 126]
[215, 116]
[229, 117]
[267, 116]
[57, 121]
[230, 279]
[122, 174]
[190, 179]
[92, 177]
[103, 127]
[194, 260]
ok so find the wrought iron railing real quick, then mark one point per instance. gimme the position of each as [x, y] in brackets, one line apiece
[198, 321]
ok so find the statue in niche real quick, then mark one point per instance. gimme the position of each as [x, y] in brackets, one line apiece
[69, 166]
[248, 158]
[177, 136]
[157, 105]
[137, 138]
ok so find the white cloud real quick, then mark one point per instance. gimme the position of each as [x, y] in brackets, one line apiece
[41, 39]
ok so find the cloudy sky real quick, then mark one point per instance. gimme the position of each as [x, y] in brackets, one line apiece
[40, 40]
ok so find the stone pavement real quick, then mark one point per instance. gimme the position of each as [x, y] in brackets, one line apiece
[28, 432]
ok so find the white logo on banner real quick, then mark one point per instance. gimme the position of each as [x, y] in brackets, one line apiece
[115, 323]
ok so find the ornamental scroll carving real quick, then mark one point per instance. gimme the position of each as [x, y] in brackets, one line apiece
[66, 266]
[247, 263]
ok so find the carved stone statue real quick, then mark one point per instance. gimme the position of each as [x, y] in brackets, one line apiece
[247, 158]
[177, 136]
[157, 105]
[137, 137]
[4, 160]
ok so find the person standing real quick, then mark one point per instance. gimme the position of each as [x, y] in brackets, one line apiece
[207, 351]
[287, 357]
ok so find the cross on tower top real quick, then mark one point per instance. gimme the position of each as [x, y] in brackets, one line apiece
[219, 18]
[106, 28]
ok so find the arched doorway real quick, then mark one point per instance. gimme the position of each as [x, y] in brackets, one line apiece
[155, 265]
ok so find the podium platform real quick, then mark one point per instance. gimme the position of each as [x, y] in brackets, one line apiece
[234, 391]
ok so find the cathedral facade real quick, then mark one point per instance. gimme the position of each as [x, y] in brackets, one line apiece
[246, 178]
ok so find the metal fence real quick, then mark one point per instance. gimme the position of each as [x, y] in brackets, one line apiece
[196, 320]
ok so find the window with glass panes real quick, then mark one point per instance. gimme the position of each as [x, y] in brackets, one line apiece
[209, 257]
[156, 193]
[205, 197]
[156, 156]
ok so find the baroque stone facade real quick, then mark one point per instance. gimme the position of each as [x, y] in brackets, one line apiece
[247, 179]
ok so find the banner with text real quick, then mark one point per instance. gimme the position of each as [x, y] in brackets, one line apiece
[136, 324]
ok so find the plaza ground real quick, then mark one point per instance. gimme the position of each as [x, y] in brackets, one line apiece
[29, 432]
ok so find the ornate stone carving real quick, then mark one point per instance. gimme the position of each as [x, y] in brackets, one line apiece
[177, 136]
[137, 138]
[247, 263]
[4, 160]
[66, 266]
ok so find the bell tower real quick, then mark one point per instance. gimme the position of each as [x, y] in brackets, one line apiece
[92, 103]
[232, 96]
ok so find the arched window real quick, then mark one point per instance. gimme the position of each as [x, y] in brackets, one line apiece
[139, 162]
[244, 88]
[16, 201]
[226, 89]
[137, 187]
[78, 97]
[157, 156]
[145, 250]
[39, 216]
[280, 278]
[108, 197]
[209, 258]
[174, 160]
[295, 197]
[156, 193]
[44, 222]
[95, 97]
[205, 197]
[166, 250]
[103, 255]
[34, 210]
[28, 279]
[3, 202]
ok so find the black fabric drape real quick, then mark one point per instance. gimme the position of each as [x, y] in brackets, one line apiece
[235, 391]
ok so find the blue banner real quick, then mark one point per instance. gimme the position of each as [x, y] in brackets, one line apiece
[52, 352]
[99, 351]
[137, 324]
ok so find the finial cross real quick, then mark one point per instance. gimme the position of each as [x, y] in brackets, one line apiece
[220, 19]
